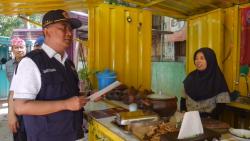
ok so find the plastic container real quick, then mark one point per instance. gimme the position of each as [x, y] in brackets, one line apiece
[105, 78]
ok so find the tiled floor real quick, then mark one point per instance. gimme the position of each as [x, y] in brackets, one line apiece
[5, 134]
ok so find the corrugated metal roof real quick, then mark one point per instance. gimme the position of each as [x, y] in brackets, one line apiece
[15, 7]
[174, 8]
[184, 8]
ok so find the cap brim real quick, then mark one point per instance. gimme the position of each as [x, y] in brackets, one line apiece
[75, 23]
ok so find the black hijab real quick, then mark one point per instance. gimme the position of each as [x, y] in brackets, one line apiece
[201, 85]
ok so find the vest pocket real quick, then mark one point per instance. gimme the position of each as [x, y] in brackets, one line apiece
[52, 78]
[35, 125]
[54, 87]
[60, 123]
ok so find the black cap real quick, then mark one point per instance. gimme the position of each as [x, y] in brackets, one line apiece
[54, 16]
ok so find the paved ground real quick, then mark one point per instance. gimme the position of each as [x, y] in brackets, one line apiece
[5, 134]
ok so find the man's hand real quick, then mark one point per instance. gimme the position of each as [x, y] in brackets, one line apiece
[75, 103]
[13, 122]
[100, 97]
[12, 118]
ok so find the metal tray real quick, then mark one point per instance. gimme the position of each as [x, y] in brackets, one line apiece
[125, 118]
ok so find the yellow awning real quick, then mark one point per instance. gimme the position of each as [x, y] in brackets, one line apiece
[16, 7]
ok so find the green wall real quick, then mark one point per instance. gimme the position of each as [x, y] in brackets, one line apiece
[4, 83]
[167, 77]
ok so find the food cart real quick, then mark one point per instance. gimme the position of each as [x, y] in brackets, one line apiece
[120, 38]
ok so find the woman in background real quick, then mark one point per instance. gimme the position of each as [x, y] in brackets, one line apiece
[206, 89]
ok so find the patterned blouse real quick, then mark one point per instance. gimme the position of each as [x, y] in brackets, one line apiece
[207, 105]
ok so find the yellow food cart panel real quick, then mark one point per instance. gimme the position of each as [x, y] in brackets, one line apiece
[120, 40]
[205, 30]
[231, 51]
[98, 132]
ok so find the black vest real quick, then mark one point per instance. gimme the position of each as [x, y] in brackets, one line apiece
[58, 82]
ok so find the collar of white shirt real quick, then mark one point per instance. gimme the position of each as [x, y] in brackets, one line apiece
[52, 53]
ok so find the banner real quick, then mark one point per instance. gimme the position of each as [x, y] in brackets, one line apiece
[245, 37]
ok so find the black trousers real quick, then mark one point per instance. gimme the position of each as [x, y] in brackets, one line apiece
[21, 134]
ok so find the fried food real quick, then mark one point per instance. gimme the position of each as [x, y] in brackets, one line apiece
[157, 130]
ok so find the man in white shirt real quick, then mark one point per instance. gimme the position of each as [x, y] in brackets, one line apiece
[47, 94]
[18, 48]
[15, 123]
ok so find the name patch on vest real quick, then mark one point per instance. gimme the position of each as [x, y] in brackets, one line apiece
[49, 70]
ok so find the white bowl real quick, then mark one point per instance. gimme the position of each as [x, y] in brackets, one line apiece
[241, 134]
